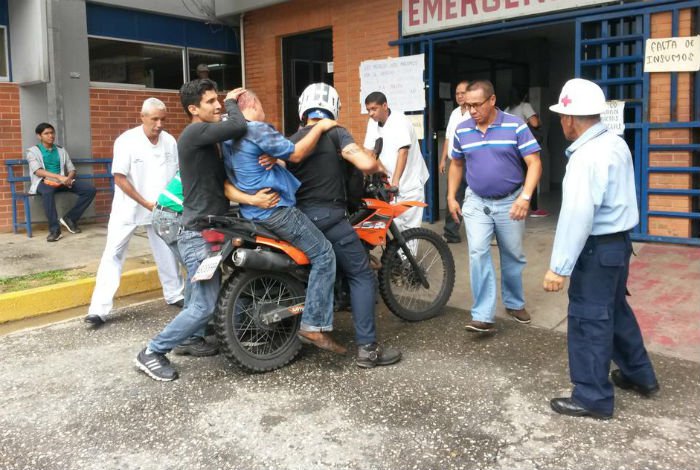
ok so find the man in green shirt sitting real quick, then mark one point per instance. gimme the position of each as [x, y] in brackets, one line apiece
[52, 171]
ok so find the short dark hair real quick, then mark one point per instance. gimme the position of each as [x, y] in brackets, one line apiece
[484, 85]
[376, 97]
[42, 127]
[192, 92]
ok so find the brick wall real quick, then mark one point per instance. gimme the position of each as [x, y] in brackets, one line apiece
[660, 111]
[358, 34]
[10, 147]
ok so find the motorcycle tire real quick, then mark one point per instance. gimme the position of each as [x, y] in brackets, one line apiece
[243, 337]
[401, 289]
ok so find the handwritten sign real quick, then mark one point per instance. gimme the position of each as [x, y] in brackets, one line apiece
[400, 79]
[672, 54]
[614, 117]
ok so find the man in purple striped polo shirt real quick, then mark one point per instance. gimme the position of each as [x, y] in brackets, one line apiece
[491, 146]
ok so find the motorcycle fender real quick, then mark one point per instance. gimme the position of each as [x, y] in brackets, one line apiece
[295, 253]
[412, 204]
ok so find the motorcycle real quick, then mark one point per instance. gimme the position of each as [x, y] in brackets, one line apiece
[261, 300]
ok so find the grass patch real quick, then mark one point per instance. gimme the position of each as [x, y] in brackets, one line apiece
[46, 278]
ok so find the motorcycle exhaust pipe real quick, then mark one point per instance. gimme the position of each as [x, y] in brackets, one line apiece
[262, 260]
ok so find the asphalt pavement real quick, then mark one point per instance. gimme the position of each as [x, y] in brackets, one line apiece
[70, 398]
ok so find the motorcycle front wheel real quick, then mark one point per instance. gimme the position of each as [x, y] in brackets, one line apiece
[400, 287]
[243, 337]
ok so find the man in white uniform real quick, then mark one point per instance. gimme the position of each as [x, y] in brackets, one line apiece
[145, 160]
[400, 155]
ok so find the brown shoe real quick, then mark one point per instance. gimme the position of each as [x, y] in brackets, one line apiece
[479, 326]
[321, 340]
[521, 315]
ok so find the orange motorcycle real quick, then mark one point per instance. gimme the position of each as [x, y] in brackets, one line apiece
[261, 300]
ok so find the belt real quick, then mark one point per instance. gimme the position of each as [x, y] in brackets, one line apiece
[501, 196]
[166, 209]
[610, 237]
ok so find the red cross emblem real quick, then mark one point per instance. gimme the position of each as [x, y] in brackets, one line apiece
[566, 101]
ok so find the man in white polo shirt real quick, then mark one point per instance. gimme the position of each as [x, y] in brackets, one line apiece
[400, 154]
[145, 160]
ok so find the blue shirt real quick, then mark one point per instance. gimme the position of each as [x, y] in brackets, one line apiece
[493, 160]
[244, 171]
[598, 197]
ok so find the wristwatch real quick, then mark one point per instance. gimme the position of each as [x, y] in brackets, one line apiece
[525, 196]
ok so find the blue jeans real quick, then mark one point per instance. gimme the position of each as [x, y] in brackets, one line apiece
[482, 218]
[290, 224]
[351, 258]
[202, 302]
[168, 226]
[85, 191]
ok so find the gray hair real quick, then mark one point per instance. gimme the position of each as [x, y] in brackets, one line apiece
[152, 103]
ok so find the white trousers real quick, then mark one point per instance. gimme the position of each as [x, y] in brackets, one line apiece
[413, 217]
[110, 270]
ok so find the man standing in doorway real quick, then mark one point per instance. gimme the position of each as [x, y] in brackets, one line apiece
[391, 137]
[145, 160]
[496, 201]
[592, 245]
[458, 116]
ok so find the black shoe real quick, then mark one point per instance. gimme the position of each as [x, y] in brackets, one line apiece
[196, 346]
[156, 366]
[566, 406]
[71, 226]
[624, 383]
[179, 304]
[94, 321]
[54, 236]
[373, 354]
[451, 240]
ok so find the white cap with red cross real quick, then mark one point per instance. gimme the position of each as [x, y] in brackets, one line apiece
[580, 97]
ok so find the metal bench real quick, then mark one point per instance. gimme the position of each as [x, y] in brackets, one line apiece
[19, 180]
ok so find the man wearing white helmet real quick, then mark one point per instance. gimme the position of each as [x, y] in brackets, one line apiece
[323, 197]
[592, 246]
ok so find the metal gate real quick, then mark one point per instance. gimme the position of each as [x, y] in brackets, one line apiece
[610, 51]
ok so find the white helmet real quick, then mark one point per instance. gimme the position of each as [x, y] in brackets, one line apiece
[580, 97]
[319, 96]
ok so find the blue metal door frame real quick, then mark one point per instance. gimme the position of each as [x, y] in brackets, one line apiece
[641, 127]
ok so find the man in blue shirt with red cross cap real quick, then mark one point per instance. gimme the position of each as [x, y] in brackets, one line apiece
[488, 150]
[593, 247]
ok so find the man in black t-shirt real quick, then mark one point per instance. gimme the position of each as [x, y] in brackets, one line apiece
[322, 197]
[202, 173]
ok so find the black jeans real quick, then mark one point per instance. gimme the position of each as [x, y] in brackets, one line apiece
[452, 228]
[85, 191]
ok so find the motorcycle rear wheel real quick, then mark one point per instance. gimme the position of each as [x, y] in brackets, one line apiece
[243, 337]
[399, 286]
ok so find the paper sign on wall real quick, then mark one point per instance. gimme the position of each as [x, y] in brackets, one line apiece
[614, 117]
[400, 79]
[672, 54]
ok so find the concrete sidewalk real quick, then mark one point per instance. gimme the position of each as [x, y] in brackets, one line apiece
[663, 280]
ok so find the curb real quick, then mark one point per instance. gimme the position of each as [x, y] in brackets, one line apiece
[47, 299]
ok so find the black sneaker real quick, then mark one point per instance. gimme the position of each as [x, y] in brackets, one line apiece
[196, 346]
[156, 366]
[373, 354]
[94, 321]
[179, 304]
[71, 226]
[54, 236]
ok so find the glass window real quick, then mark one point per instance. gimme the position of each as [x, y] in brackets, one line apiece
[4, 72]
[152, 66]
[224, 69]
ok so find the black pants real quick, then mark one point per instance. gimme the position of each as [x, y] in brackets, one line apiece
[602, 326]
[85, 191]
[452, 228]
[351, 259]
